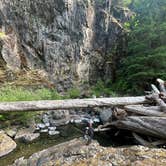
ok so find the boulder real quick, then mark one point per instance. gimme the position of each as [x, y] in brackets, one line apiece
[7, 145]
[106, 115]
[11, 132]
[41, 125]
[59, 122]
[30, 137]
[26, 135]
[52, 128]
[45, 119]
[60, 114]
[44, 130]
[53, 132]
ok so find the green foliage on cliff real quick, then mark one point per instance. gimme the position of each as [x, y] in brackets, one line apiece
[9, 93]
[146, 57]
[102, 89]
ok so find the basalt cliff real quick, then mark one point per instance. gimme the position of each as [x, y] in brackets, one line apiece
[70, 40]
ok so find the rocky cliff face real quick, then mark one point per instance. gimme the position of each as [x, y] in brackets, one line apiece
[68, 39]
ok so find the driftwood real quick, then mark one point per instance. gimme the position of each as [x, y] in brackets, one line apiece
[148, 111]
[142, 141]
[144, 115]
[69, 104]
[153, 126]
[147, 120]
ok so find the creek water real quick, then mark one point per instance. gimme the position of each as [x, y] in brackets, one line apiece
[44, 141]
[68, 132]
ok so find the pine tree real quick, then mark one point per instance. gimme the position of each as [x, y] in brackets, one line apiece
[146, 57]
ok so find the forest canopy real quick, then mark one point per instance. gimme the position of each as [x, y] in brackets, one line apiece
[145, 59]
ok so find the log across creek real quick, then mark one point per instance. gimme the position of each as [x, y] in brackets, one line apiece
[135, 114]
[23, 106]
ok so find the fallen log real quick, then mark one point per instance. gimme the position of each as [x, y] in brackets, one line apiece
[158, 100]
[152, 126]
[69, 104]
[142, 141]
[147, 111]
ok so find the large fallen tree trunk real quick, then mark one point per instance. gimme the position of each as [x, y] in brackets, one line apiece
[148, 111]
[153, 126]
[69, 104]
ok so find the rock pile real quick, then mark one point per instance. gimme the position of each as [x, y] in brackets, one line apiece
[53, 119]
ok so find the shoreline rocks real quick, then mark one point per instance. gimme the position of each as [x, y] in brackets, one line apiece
[76, 152]
[7, 145]
[52, 119]
[26, 135]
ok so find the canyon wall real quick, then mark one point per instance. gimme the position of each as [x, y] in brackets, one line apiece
[67, 39]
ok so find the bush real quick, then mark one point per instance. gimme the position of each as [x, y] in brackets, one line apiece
[102, 89]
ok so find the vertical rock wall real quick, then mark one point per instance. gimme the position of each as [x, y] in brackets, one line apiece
[68, 39]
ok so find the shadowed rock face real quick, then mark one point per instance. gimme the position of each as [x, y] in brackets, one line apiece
[68, 39]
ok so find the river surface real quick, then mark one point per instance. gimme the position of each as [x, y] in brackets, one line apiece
[45, 141]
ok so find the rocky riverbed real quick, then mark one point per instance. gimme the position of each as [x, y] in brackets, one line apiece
[77, 153]
[74, 152]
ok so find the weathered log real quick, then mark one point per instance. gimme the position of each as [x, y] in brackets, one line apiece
[148, 111]
[156, 98]
[142, 141]
[153, 126]
[159, 142]
[155, 89]
[69, 104]
[161, 85]
[119, 113]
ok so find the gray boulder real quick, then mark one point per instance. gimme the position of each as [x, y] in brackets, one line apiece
[7, 145]
[106, 115]
[30, 137]
[26, 135]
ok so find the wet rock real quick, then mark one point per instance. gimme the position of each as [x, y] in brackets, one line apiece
[44, 130]
[7, 145]
[56, 123]
[21, 162]
[30, 137]
[11, 132]
[60, 114]
[47, 124]
[52, 128]
[52, 132]
[45, 119]
[41, 125]
[96, 120]
[78, 121]
[26, 135]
